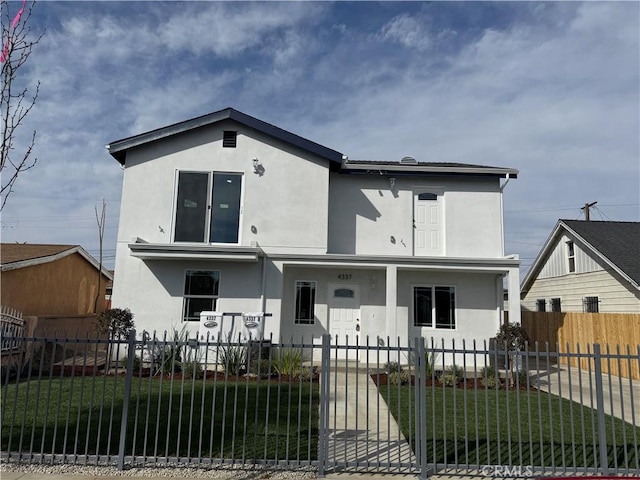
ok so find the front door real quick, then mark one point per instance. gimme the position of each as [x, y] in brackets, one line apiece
[344, 315]
[427, 225]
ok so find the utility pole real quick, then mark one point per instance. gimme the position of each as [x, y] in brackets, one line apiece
[586, 208]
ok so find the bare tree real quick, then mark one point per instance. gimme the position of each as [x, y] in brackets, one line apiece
[100, 220]
[16, 102]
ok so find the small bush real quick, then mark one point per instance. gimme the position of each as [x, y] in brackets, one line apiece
[261, 367]
[392, 367]
[306, 374]
[399, 378]
[288, 362]
[116, 322]
[233, 359]
[137, 363]
[520, 378]
[452, 375]
[490, 378]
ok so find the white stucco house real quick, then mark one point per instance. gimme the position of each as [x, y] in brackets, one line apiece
[228, 213]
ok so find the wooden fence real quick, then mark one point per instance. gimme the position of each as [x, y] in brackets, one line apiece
[568, 331]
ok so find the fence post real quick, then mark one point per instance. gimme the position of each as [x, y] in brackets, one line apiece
[325, 364]
[602, 437]
[131, 351]
[421, 407]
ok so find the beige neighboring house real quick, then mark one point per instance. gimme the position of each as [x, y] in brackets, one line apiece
[586, 266]
[50, 280]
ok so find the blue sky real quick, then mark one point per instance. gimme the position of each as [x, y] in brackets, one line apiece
[552, 89]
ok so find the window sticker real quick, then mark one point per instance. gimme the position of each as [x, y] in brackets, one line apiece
[190, 203]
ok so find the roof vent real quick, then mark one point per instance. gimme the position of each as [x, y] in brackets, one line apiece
[409, 160]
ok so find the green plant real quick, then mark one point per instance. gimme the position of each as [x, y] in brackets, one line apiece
[392, 367]
[288, 361]
[115, 322]
[512, 336]
[137, 363]
[306, 374]
[520, 378]
[399, 378]
[233, 359]
[261, 367]
[452, 375]
[490, 377]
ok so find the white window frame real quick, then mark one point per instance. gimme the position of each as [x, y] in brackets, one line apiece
[215, 297]
[571, 256]
[304, 321]
[210, 173]
[433, 325]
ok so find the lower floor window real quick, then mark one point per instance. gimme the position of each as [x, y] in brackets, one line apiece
[541, 305]
[555, 305]
[200, 293]
[305, 302]
[591, 304]
[434, 307]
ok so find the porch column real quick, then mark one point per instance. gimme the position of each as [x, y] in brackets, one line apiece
[514, 295]
[392, 302]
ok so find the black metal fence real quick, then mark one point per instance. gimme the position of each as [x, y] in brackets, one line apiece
[420, 408]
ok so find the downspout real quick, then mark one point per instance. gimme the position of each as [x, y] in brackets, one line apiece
[263, 297]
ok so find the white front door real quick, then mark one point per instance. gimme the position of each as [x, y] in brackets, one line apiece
[427, 225]
[344, 315]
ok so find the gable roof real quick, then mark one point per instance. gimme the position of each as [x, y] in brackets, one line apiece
[616, 244]
[118, 149]
[20, 255]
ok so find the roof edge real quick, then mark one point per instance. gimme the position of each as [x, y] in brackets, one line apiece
[117, 149]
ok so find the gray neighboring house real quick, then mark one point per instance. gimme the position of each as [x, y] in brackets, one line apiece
[586, 266]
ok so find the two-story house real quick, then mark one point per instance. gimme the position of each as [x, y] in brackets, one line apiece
[226, 212]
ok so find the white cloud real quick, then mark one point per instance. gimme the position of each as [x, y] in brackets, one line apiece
[409, 31]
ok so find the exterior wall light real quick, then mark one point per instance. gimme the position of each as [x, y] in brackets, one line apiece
[392, 183]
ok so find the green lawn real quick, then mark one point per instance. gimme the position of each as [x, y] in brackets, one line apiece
[484, 427]
[244, 419]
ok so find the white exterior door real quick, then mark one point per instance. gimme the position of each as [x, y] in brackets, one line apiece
[427, 224]
[344, 315]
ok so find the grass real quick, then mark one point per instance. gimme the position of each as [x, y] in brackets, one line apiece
[213, 419]
[499, 427]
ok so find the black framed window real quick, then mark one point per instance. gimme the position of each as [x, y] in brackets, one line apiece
[556, 305]
[434, 306]
[200, 293]
[305, 302]
[591, 304]
[208, 207]
[541, 305]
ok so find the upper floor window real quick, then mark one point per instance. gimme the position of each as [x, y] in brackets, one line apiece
[200, 293]
[541, 305]
[571, 255]
[434, 307]
[208, 207]
[591, 304]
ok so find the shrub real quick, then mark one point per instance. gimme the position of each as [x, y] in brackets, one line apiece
[261, 367]
[392, 367]
[137, 363]
[490, 378]
[306, 374]
[233, 359]
[513, 336]
[288, 362]
[115, 322]
[452, 375]
[399, 378]
[520, 378]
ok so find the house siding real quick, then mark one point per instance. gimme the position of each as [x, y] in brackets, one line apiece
[67, 286]
[571, 289]
[557, 263]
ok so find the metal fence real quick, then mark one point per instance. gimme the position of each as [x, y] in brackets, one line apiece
[422, 408]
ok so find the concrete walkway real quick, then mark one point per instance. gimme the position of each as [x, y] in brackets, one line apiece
[621, 396]
[362, 431]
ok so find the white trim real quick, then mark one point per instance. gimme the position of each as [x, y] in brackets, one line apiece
[305, 321]
[433, 286]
